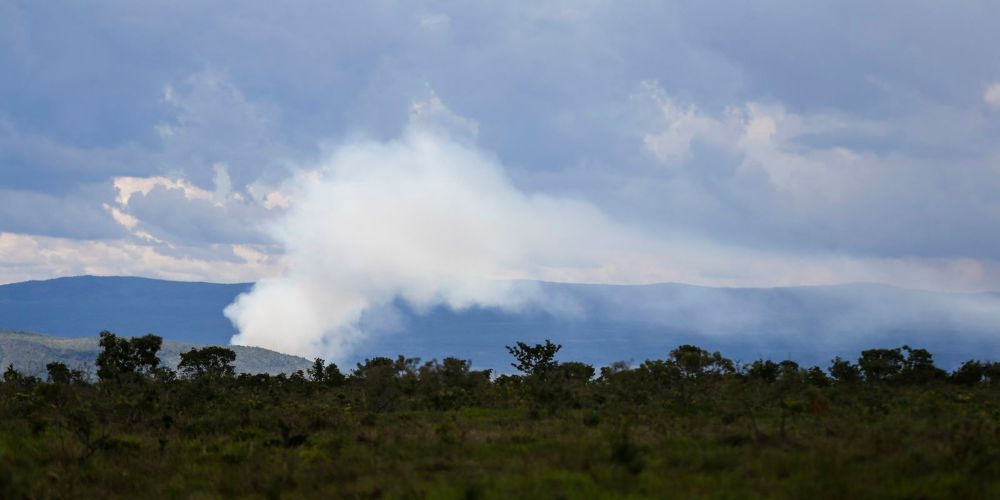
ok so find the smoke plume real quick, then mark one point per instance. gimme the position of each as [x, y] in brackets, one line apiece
[427, 219]
[430, 220]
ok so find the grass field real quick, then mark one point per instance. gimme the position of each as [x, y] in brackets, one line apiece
[397, 429]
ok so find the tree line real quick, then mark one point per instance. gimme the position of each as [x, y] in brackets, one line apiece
[136, 425]
[382, 383]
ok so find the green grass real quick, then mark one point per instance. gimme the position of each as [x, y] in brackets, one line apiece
[505, 452]
[693, 426]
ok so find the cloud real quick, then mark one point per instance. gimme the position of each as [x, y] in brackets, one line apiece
[761, 175]
[77, 214]
[33, 161]
[991, 95]
[549, 87]
[128, 187]
[175, 211]
[764, 138]
[24, 257]
[211, 136]
[213, 125]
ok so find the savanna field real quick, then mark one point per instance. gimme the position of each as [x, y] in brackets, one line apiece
[693, 424]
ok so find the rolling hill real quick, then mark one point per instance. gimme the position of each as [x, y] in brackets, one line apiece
[598, 324]
[30, 352]
[86, 305]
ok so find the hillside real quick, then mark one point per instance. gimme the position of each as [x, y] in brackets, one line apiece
[30, 352]
[85, 305]
[606, 323]
[598, 324]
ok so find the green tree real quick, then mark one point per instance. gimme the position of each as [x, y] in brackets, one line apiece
[881, 365]
[316, 372]
[325, 373]
[991, 372]
[121, 357]
[817, 377]
[207, 362]
[537, 360]
[59, 373]
[452, 383]
[11, 375]
[843, 371]
[384, 382]
[694, 362]
[970, 373]
[764, 369]
[918, 368]
[576, 371]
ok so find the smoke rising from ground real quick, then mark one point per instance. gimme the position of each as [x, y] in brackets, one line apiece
[427, 219]
[431, 220]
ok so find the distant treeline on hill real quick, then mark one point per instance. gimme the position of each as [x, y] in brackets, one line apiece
[29, 353]
[137, 359]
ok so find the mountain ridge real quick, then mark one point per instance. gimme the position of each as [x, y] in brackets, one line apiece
[596, 323]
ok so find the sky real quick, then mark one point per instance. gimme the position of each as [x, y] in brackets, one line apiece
[415, 149]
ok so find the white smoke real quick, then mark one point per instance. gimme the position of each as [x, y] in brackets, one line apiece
[431, 220]
[427, 219]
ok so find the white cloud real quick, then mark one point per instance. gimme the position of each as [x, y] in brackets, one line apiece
[126, 220]
[24, 257]
[223, 184]
[431, 114]
[276, 199]
[762, 136]
[683, 123]
[173, 211]
[991, 95]
[129, 186]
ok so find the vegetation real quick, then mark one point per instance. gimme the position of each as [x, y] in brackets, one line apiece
[691, 424]
[31, 352]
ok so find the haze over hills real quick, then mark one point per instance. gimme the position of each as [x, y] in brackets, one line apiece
[598, 324]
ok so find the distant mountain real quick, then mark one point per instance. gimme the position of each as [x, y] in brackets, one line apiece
[604, 323]
[86, 305]
[598, 324]
[30, 352]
